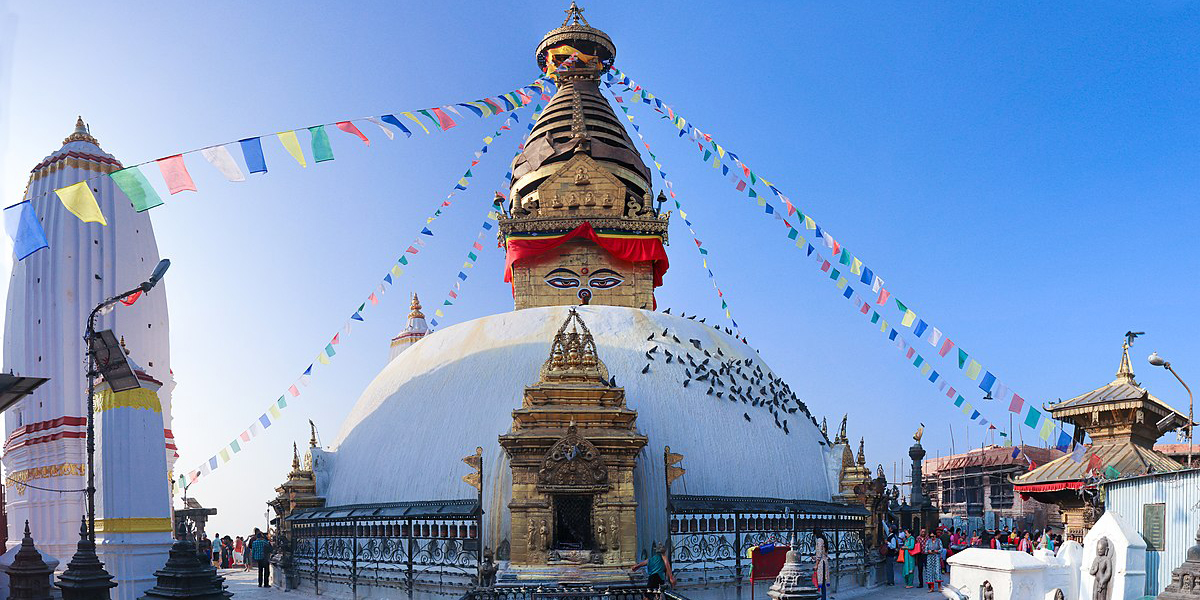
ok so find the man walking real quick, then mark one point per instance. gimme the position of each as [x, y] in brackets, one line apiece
[260, 553]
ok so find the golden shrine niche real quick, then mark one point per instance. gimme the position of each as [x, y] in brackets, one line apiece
[572, 449]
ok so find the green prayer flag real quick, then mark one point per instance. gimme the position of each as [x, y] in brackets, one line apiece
[1031, 419]
[472, 256]
[320, 144]
[468, 173]
[833, 274]
[874, 317]
[137, 188]
[707, 155]
[845, 258]
[281, 402]
[900, 305]
[1111, 473]
[753, 179]
[918, 361]
[753, 194]
[403, 260]
[361, 307]
[962, 358]
[703, 250]
[958, 401]
[792, 234]
[236, 446]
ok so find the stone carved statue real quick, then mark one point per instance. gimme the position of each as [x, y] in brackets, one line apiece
[581, 176]
[1101, 570]
[545, 536]
[531, 536]
[615, 541]
[601, 538]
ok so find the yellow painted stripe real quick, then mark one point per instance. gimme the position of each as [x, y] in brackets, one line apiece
[134, 525]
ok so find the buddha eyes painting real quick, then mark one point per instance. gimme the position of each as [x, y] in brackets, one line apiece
[601, 279]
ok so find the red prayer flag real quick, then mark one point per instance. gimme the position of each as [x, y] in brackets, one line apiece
[741, 185]
[911, 352]
[373, 298]
[1017, 402]
[477, 246]
[293, 391]
[411, 250]
[335, 340]
[453, 294]
[245, 435]
[175, 173]
[349, 128]
[825, 266]
[946, 346]
[950, 392]
[865, 307]
[883, 298]
[1094, 463]
[444, 120]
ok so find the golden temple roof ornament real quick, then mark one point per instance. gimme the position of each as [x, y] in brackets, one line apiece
[573, 355]
[574, 12]
[82, 133]
[415, 308]
[1125, 370]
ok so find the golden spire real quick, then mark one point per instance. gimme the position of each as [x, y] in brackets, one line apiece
[573, 355]
[295, 457]
[1125, 370]
[576, 13]
[415, 308]
[862, 455]
[82, 133]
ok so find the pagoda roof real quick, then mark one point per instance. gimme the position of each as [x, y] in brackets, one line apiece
[991, 456]
[1124, 456]
[1121, 393]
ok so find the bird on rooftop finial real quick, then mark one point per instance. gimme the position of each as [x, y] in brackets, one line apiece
[1125, 370]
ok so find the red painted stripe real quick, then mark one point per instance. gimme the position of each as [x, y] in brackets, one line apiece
[47, 438]
[44, 425]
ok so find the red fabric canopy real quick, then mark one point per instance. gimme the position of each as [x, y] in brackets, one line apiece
[628, 247]
[1048, 487]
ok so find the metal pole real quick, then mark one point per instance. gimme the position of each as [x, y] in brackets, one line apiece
[91, 432]
[1190, 421]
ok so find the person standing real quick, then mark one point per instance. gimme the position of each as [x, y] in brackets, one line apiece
[821, 562]
[260, 552]
[658, 568]
[910, 560]
[204, 549]
[933, 563]
[239, 552]
[890, 545]
[922, 540]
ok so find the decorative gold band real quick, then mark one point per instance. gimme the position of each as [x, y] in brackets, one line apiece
[20, 478]
[134, 525]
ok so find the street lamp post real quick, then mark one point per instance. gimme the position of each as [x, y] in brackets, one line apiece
[1159, 361]
[144, 287]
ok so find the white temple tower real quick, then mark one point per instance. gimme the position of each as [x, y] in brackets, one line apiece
[133, 506]
[413, 331]
[49, 297]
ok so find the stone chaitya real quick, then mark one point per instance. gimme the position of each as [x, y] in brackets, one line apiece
[572, 447]
[1185, 580]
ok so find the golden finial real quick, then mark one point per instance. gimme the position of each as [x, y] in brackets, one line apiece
[82, 133]
[575, 13]
[295, 457]
[862, 455]
[415, 308]
[1125, 370]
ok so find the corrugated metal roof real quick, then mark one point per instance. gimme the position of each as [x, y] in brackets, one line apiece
[1122, 389]
[992, 456]
[1126, 457]
[682, 503]
[433, 509]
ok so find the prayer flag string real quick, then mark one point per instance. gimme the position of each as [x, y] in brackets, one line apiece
[274, 410]
[744, 179]
[662, 173]
[132, 181]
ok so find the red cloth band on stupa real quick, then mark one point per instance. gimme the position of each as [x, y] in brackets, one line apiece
[627, 247]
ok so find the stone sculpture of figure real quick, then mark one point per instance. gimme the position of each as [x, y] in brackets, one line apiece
[601, 539]
[531, 536]
[581, 176]
[1101, 570]
[615, 542]
[545, 537]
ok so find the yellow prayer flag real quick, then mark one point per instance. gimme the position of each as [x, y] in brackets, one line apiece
[966, 408]
[468, 265]
[883, 326]
[809, 223]
[762, 201]
[414, 120]
[292, 144]
[704, 261]
[1047, 429]
[973, 369]
[274, 410]
[321, 358]
[909, 317]
[397, 271]
[487, 140]
[800, 242]
[438, 312]
[926, 368]
[716, 163]
[79, 200]
[856, 267]
[682, 214]
[224, 455]
[841, 283]
[720, 151]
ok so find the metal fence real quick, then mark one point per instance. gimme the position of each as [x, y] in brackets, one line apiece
[567, 593]
[709, 545]
[385, 547]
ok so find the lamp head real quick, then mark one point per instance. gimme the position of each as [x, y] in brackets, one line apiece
[157, 275]
[1157, 360]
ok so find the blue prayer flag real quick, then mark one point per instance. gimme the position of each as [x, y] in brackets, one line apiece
[308, 371]
[508, 105]
[264, 420]
[474, 109]
[394, 121]
[892, 335]
[1016, 452]
[1064, 441]
[426, 231]
[810, 249]
[849, 291]
[356, 317]
[819, 234]
[462, 276]
[867, 276]
[212, 463]
[933, 377]
[26, 231]
[252, 153]
[920, 328]
[988, 381]
[974, 415]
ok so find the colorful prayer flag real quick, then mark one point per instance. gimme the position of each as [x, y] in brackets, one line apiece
[220, 158]
[25, 229]
[321, 149]
[137, 188]
[349, 128]
[396, 122]
[79, 200]
[292, 144]
[175, 173]
[253, 155]
[973, 370]
[1017, 404]
[1032, 418]
[988, 381]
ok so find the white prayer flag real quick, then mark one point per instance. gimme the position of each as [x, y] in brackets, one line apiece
[386, 131]
[935, 334]
[220, 158]
[877, 284]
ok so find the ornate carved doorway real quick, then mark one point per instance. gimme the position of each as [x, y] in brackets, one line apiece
[573, 522]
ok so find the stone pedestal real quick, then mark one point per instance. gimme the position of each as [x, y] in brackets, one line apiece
[1117, 544]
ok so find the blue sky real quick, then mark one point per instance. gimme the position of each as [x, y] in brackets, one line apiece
[1023, 175]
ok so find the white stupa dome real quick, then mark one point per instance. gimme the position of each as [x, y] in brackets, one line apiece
[456, 389]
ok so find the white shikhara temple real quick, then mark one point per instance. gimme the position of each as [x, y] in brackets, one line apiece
[49, 297]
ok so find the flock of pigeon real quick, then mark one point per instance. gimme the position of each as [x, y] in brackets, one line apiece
[727, 379]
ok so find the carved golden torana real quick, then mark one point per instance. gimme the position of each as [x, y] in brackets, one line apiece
[572, 449]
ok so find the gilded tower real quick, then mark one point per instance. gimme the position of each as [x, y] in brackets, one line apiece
[581, 225]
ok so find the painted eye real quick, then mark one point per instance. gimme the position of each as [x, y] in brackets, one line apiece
[603, 283]
[562, 283]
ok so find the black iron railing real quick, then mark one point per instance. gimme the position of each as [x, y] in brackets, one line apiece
[570, 593]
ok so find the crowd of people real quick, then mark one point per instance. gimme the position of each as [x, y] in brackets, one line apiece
[239, 553]
[923, 556]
